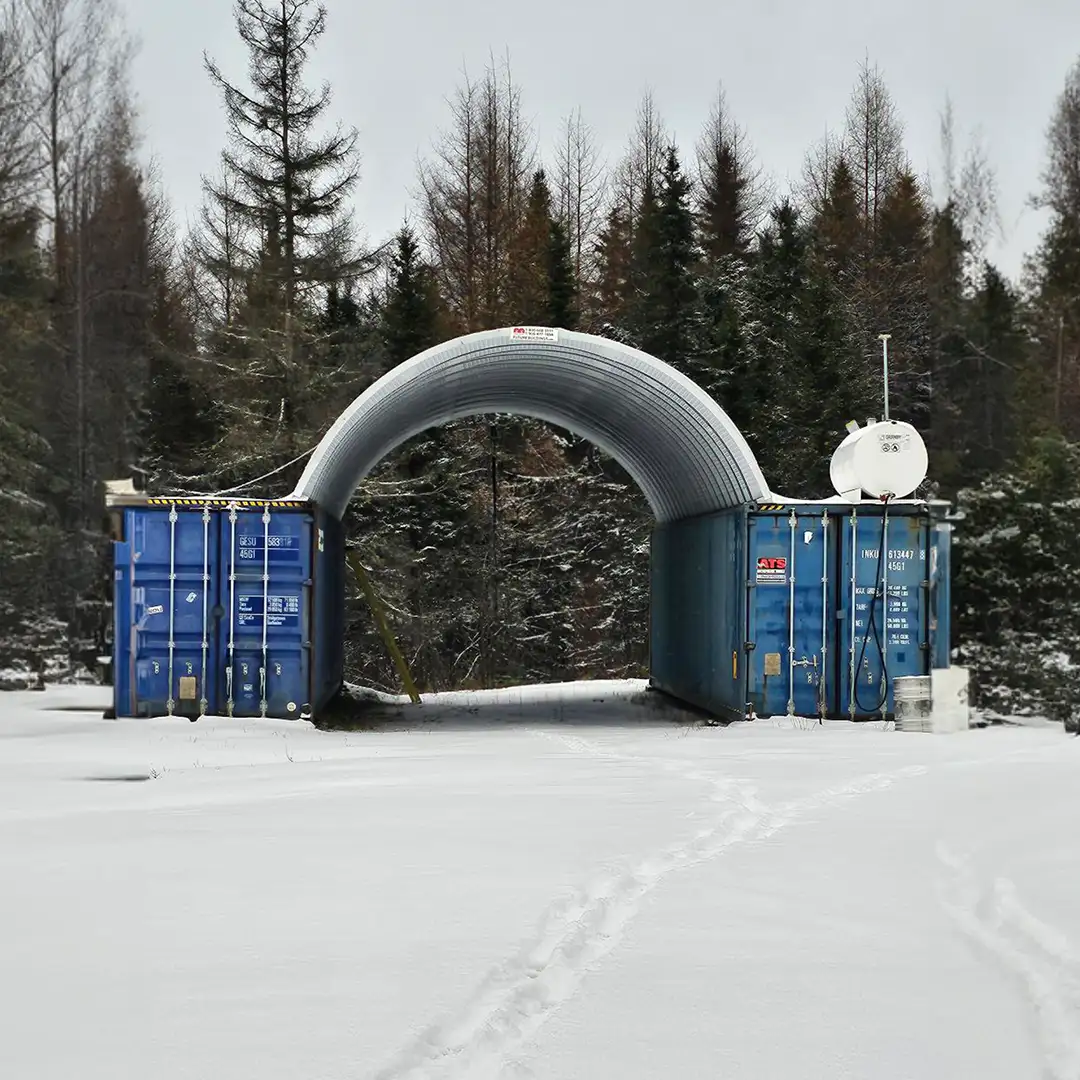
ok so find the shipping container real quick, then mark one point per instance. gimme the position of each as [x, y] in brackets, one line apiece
[798, 609]
[941, 595]
[231, 608]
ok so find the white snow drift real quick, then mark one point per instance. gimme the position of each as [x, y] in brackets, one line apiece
[567, 889]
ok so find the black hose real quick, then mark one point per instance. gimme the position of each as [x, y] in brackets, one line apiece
[871, 624]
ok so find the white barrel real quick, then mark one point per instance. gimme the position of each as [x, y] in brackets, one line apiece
[913, 702]
[887, 458]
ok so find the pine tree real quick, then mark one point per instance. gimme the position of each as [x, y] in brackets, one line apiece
[542, 280]
[30, 539]
[1016, 589]
[730, 197]
[899, 300]
[530, 262]
[1054, 269]
[837, 228]
[410, 317]
[282, 204]
[614, 257]
[763, 391]
[663, 312]
[562, 288]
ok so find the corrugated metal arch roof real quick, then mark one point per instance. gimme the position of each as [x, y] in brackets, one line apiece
[680, 447]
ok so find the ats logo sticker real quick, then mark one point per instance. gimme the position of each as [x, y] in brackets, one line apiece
[771, 571]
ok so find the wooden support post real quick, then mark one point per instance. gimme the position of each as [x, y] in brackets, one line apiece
[353, 559]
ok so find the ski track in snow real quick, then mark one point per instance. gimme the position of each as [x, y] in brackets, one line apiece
[519, 995]
[1034, 953]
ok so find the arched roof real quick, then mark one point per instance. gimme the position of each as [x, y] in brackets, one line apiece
[680, 447]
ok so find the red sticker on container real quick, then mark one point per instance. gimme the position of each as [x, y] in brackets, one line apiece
[771, 570]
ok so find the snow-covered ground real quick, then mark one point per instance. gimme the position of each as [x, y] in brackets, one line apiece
[575, 889]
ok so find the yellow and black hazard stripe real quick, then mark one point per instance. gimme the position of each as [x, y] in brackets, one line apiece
[771, 506]
[225, 503]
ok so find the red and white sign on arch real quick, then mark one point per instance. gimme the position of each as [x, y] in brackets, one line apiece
[534, 333]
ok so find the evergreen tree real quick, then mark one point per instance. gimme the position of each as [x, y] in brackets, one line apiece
[615, 259]
[562, 288]
[764, 388]
[899, 300]
[837, 228]
[542, 281]
[948, 351]
[730, 198]
[1054, 269]
[530, 269]
[664, 307]
[30, 537]
[1017, 584]
[798, 382]
[281, 237]
[410, 317]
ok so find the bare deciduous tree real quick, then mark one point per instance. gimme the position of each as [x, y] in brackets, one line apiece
[874, 142]
[580, 188]
[643, 161]
[20, 157]
[473, 192]
[219, 249]
[819, 167]
[81, 54]
[969, 186]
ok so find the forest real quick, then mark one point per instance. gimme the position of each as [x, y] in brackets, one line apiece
[211, 359]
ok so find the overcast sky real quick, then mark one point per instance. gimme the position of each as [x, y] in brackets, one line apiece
[787, 66]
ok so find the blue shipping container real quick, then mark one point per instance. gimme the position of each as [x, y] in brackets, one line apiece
[803, 609]
[227, 608]
[941, 595]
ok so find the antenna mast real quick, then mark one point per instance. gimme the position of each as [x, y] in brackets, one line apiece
[884, 338]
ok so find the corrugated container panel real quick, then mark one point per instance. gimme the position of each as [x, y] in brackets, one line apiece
[941, 595]
[696, 612]
[791, 569]
[879, 561]
[265, 637]
[166, 591]
[216, 610]
[771, 607]
[328, 615]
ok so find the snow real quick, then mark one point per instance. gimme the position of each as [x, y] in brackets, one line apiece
[553, 883]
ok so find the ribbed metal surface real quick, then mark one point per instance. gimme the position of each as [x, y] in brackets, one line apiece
[674, 440]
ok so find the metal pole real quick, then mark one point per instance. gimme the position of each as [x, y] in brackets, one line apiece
[885, 612]
[204, 702]
[229, 673]
[171, 704]
[884, 338]
[854, 602]
[1060, 369]
[793, 522]
[824, 612]
[266, 612]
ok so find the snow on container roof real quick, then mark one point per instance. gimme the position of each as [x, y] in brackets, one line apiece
[680, 447]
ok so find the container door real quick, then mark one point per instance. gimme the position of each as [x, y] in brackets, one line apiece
[940, 594]
[790, 562]
[123, 632]
[265, 638]
[172, 566]
[884, 560]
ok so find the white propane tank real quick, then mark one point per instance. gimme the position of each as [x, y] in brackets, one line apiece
[886, 458]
